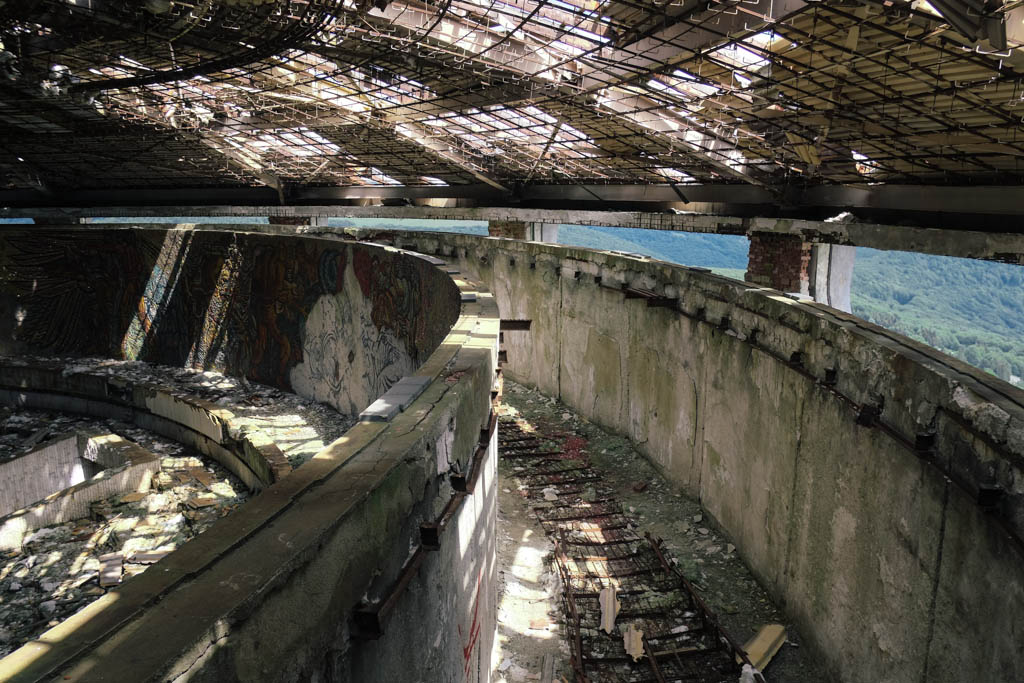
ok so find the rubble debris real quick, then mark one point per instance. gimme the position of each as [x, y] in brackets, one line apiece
[600, 558]
[134, 497]
[37, 436]
[532, 422]
[201, 475]
[749, 674]
[610, 607]
[547, 669]
[148, 557]
[111, 568]
[201, 501]
[633, 641]
[303, 427]
[61, 562]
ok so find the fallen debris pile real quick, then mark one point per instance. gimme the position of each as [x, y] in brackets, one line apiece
[62, 568]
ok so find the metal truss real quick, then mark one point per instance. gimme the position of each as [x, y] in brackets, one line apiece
[784, 97]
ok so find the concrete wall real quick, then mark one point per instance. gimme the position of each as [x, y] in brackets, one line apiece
[272, 591]
[51, 467]
[126, 467]
[846, 461]
[832, 275]
[333, 321]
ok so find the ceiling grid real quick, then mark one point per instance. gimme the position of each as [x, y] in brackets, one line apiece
[509, 93]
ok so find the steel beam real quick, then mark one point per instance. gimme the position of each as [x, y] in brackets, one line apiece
[1007, 246]
[688, 28]
[981, 200]
[1006, 200]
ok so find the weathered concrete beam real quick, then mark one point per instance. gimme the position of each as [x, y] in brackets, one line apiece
[992, 246]
[897, 200]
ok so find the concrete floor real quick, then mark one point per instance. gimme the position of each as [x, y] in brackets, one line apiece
[529, 618]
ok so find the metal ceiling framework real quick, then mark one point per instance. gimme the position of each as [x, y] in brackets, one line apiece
[508, 95]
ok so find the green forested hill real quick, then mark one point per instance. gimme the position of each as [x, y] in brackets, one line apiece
[727, 252]
[973, 310]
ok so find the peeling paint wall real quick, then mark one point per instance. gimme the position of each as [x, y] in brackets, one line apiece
[875, 485]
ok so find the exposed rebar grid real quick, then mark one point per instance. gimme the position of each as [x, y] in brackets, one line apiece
[597, 546]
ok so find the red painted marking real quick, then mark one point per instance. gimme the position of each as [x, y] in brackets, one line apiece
[574, 448]
[474, 629]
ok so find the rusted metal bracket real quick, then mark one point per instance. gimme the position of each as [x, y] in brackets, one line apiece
[653, 299]
[467, 482]
[368, 621]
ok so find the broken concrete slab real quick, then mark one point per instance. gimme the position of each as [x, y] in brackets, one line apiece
[765, 644]
[111, 568]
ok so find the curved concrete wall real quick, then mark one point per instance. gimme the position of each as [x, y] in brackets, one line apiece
[209, 428]
[374, 561]
[875, 485]
[333, 321]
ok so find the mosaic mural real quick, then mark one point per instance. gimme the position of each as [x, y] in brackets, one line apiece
[339, 322]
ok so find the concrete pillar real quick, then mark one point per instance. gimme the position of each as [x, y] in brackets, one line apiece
[781, 262]
[831, 274]
[543, 232]
[822, 272]
[512, 229]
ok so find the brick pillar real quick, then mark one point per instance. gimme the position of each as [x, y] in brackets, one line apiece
[780, 262]
[512, 229]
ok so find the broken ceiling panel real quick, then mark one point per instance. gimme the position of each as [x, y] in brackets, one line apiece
[505, 93]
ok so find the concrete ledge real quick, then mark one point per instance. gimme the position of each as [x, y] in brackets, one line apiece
[395, 400]
[307, 550]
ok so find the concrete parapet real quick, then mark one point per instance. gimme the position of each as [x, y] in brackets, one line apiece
[49, 385]
[272, 591]
[873, 483]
